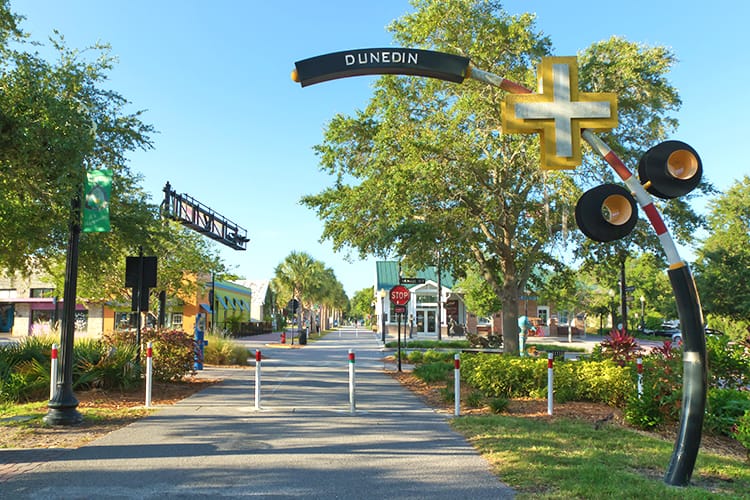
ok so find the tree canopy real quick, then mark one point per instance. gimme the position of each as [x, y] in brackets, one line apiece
[723, 263]
[425, 165]
[58, 121]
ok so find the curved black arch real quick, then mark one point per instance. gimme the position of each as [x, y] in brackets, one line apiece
[379, 61]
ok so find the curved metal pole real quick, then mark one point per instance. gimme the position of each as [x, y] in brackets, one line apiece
[695, 383]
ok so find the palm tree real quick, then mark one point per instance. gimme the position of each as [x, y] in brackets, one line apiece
[301, 277]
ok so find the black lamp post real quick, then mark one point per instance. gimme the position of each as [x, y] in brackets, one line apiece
[62, 406]
[643, 313]
[382, 316]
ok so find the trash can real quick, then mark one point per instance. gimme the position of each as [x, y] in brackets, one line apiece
[303, 337]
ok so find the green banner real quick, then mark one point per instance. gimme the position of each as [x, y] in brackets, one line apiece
[96, 201]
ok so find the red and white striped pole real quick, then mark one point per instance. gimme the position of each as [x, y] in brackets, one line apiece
[550, 379]
[53, 372]
[639, 364]
[257, 379]
[149, 372]
[457, 383]
[352, 383]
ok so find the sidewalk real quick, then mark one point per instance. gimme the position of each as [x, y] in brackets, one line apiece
[302, 443]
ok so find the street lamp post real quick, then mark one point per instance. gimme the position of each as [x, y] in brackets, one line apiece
[382, 315]
[643, 313]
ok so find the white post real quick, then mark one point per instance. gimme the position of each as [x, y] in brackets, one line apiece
[257, 379]
[457, 383]
[149, 371]
[53, 372]
[352, 383]
[639, 363]
[550, 377]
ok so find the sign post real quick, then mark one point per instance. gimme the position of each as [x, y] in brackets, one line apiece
[400, 296]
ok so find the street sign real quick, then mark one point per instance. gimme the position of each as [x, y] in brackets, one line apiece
[399, 310]
[412, 281]
[380, 61]
[630, 289]
[400, 295]
[292, 306]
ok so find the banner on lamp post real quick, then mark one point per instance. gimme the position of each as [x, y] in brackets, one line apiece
[97, 191]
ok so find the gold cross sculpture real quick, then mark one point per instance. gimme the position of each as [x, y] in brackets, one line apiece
[559, 112]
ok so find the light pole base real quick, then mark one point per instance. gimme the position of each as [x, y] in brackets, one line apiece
[62, 411]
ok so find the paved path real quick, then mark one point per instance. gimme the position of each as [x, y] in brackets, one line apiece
[302, 443]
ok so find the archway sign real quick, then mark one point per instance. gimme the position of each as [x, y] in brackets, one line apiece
[562, 116]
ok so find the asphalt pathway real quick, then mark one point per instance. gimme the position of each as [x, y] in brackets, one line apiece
[303, 441]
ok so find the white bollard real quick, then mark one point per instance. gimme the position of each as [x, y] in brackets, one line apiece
[352, 383]
[257, 379]
[149, 371]
[457, 383]
[639, 364]
[53, 372]
[550, 378]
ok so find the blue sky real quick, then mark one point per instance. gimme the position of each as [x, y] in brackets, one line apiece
[237, 134]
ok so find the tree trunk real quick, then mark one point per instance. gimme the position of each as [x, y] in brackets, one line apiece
[510, 317]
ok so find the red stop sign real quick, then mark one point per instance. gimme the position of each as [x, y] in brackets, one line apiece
[399, 295]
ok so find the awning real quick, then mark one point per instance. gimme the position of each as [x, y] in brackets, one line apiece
[206, 308]
[39, 303]
[50, 307]
[222, 301]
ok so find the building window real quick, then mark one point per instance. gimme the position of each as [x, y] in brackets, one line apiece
[41, 323]
[81, 321]
[8, 293]
[176, 320]
[39, 293]
[123, 320]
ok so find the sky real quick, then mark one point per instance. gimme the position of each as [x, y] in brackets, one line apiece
[237, 134]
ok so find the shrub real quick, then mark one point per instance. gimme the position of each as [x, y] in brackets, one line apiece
[619, 347]
[728, 365]
[431, 356]
[474, 399]
[724, 409]
[223, 351]
[644, 412]
[433, 372]
[595, 381]
[742, 431]
[111, 367]
[499, 405]
[13, 388]
[415, 357]
[25, 369]
[735, 329]
[174, 351]
[448, 393]
[662, 389]
[506, 376]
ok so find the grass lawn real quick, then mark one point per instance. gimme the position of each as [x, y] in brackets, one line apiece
[570, 459]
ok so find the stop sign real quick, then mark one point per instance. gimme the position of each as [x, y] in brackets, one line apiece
[399, 295]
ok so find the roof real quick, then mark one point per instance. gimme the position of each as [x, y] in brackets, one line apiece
[259, 289]
[387, 276]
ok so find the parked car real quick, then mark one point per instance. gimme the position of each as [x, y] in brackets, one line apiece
[677, 336]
